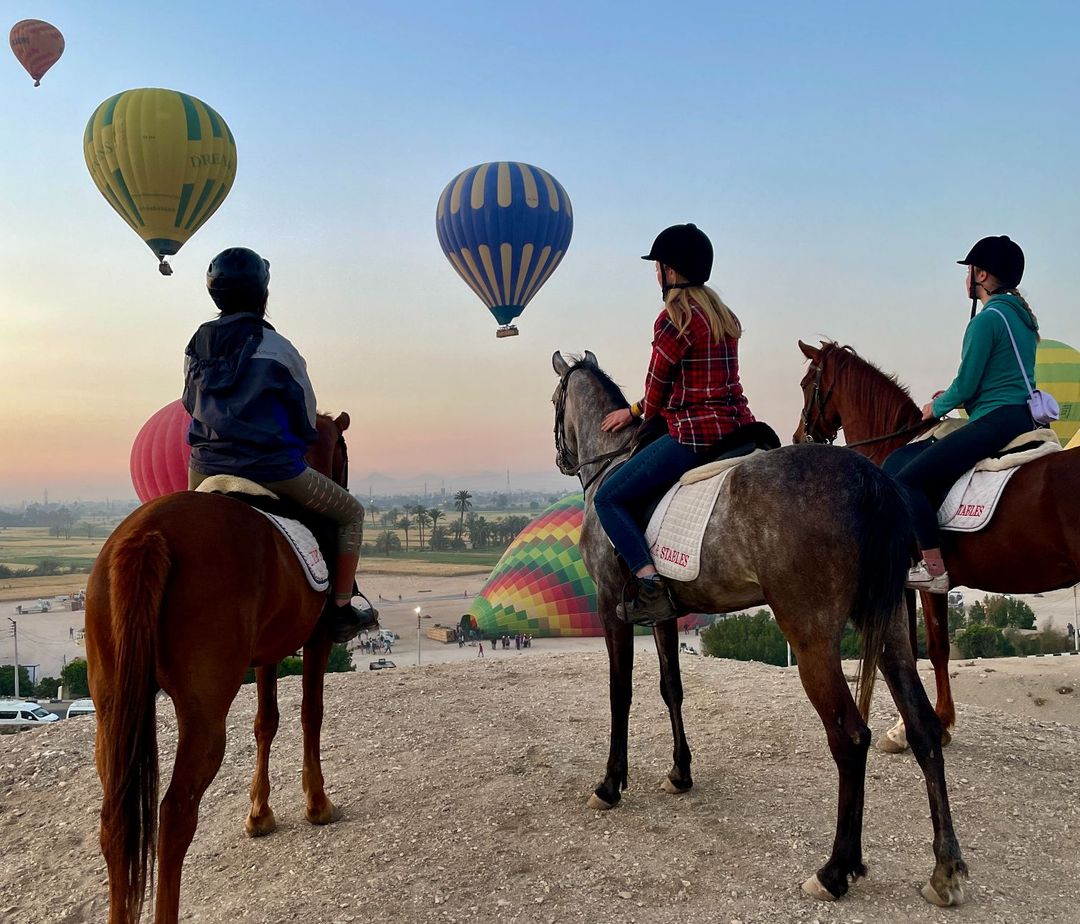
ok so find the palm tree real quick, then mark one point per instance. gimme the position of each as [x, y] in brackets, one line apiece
[422, 519]
[462, 502]
[406, 524]
[434, 514]
[374, 511]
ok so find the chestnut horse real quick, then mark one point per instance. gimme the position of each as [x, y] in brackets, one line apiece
[817, 533]
[189, 591]
[843, 390]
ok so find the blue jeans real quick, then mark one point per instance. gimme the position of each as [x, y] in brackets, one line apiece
[928, 469]
[641, 479]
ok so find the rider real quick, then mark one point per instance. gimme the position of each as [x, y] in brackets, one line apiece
[693, 383]
[990, 387]
[253, 415]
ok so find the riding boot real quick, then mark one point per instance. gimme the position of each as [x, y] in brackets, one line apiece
[652, 603]
[346, 621]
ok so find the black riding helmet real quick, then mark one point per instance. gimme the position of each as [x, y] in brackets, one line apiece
[687, 250]
[238, 280]
[999, 256]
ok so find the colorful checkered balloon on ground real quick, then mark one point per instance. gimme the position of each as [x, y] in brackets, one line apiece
[540, 586]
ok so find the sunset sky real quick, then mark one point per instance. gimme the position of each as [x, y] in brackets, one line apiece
[842, 156]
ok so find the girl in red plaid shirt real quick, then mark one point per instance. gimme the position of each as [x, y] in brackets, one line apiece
[693, 383]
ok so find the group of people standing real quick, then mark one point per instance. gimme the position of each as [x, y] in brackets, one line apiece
[253, 408]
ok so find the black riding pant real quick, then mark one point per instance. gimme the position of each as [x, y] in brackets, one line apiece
[926, 470]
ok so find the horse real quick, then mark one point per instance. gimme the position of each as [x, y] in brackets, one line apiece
[817, 533]
[843, 390]
[188, 592]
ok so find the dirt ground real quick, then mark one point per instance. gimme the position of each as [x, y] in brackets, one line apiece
[462, 788]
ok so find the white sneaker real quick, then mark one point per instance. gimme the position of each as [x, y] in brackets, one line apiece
[919, 579]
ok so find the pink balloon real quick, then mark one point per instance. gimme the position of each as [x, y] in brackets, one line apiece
[160, 453]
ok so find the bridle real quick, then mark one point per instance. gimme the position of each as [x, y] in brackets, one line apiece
[568, 462]
[819, 402]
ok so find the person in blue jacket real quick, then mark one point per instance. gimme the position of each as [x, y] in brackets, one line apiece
[988, 385]
[253, 415]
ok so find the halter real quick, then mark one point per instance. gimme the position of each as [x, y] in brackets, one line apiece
[567, 462]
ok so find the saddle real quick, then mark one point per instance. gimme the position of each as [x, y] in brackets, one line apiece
[282, 512]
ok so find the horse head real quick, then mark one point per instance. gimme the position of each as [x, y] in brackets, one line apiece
[329, 455]
[819, 421]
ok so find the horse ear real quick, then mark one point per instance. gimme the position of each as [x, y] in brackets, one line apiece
[560, 365]
[808, 351]
[342, 421]
[590, 358]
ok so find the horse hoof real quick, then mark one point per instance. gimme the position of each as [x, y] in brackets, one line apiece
[815, 889]
[327, 815]
[946, 737]
[595, 802]
[886, 745]
[954, 895]
[673, 788]
[261, 826]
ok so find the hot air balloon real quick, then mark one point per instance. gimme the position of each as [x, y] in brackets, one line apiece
[38, 46]
[160, 453]
[505, 227]
[1057, 370]
[540, 586]
[164, 160]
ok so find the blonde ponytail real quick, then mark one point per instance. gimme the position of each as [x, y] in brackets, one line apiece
[1023, 301]
[722, 322]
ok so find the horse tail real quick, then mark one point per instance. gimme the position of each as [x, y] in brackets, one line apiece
[883, 533]
[127, 740]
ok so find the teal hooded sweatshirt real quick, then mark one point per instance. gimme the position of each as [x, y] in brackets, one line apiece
[989, 376]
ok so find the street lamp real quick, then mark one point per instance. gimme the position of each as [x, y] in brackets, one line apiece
[417, 636]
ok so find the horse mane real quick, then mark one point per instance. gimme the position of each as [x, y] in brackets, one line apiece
[612, 390]
[878, 394]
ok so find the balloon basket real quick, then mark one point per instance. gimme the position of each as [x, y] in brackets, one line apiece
[508, 331]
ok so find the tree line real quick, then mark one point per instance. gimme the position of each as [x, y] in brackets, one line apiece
[466, 530]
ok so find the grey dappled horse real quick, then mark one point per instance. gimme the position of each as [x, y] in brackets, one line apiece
[819, 534]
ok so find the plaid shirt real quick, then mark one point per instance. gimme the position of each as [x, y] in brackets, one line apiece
[694, 382]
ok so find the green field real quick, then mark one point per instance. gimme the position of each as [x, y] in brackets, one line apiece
[28, 546]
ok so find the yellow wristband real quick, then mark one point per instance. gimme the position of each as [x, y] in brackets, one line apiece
[635, 409]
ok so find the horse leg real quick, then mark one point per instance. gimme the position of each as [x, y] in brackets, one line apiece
[199, 750]
[894, 741]
[260, 819]
[319, 809]
[849, 740]
[936, 616]
[925, 734]
[619, 637]
[666, 635]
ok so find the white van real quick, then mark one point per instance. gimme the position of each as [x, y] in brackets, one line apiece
[81, 707]
[17, 712]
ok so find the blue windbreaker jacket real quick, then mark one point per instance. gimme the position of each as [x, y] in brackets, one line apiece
[252, 404]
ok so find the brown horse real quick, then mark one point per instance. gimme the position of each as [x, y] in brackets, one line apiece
[843, 390]
[818, 534]
[188, 592]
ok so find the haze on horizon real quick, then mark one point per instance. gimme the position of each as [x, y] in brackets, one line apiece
[842, 157]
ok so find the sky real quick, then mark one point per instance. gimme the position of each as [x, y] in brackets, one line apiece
[841, 156]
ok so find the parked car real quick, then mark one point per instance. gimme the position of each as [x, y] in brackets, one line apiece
[42, 606]
[19, 713]
[381, 664]
[81, 707]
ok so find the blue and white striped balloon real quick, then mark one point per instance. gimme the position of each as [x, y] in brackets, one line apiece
[504, 227]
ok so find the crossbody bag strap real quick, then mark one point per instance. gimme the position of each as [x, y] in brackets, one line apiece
[1016, 351]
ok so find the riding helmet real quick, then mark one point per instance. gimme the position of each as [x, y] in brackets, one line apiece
[237, 274]
[687, 250]
[1000, 257]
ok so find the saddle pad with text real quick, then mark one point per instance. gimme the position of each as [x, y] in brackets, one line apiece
[677, 527]
[972, 500]
[306, 548]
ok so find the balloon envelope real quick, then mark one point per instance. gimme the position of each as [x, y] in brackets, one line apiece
[504, 227]
[163, 160]
[540, 586]
[1057, 370]
[38, 46]
[160, 453]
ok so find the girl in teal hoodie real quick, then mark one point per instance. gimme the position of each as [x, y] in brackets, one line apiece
[988, 385]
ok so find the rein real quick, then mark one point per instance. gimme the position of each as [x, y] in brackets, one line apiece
[562, 454]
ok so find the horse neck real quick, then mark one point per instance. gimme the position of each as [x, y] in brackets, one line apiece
[321, 454]
[872, 405]
[592, 404]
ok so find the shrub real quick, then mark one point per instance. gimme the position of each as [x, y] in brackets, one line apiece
[74, 677]
[981, 641]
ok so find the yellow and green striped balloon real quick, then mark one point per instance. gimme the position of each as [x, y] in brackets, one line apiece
[1057, 370]
[163, 160]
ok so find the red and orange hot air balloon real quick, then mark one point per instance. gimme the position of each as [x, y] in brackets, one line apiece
[38, 46]
[159, 455]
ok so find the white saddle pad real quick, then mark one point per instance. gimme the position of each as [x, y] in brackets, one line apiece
[677, 526]
[306, 548]
[971, 502]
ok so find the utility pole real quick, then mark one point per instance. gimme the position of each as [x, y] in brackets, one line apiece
[15, 635]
